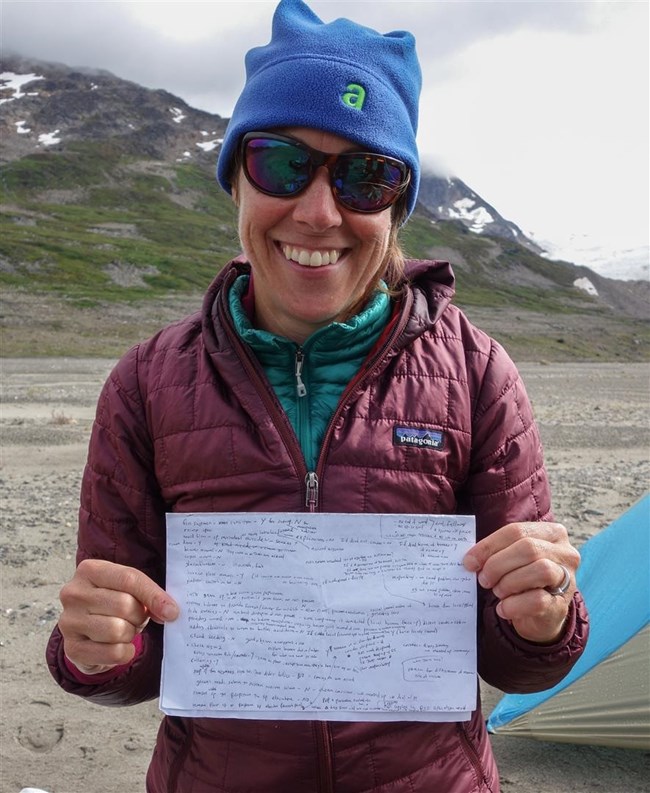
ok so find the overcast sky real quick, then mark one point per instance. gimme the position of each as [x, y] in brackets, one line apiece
[541, 107]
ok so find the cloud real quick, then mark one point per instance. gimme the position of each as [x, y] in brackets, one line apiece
[110, 36]
[551, 127]
[445, 29]
[196, 49]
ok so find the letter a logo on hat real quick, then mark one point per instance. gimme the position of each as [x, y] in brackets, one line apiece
[355, 96]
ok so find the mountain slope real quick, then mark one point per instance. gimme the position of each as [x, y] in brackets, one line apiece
[451, 199]
[108, 198]
[45, 107]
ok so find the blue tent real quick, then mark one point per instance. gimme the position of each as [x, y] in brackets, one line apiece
[605, 699]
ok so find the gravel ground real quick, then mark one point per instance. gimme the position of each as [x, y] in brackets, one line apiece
[594, 422]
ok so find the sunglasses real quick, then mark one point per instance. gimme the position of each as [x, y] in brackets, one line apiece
[283, 167]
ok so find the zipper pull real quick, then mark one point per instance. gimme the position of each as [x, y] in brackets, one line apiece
[300, 386]
[311, 499]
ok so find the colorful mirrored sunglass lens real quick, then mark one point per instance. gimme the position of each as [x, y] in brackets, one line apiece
[277, 167]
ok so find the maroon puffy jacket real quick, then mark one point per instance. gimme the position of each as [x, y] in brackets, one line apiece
[188, 423]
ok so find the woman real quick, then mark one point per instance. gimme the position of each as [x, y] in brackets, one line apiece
[287, 393]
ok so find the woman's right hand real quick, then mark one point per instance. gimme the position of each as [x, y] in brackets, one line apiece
[104, 606]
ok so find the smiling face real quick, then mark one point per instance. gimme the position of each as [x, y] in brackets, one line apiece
[314, 262]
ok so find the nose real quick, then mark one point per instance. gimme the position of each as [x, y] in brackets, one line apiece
[316, 205]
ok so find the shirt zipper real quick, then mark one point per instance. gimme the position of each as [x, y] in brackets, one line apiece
[301, 388]
[303, 418]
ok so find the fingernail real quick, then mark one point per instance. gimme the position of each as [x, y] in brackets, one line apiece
[471, 564]
[169, 612]
[483, 580]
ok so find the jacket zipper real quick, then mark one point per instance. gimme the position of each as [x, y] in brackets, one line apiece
[323, 734]
[312, 482]
[472, 755]
[179, 761]
[311, 491]
[367, 370]
[312, 478]
[289, 438]
[324, 753]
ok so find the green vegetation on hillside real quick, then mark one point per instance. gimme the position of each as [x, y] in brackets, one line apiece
[93, 224]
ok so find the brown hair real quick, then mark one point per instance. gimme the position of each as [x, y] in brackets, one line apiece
[395, 258]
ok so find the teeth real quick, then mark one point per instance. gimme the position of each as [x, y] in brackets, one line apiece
[310, 258]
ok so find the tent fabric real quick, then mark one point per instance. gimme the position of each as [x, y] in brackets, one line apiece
[605, 699]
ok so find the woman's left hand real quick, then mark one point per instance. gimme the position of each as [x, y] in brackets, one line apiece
[522, 563]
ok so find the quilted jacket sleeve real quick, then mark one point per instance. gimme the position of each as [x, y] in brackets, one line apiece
[121, 519]
[507, 483]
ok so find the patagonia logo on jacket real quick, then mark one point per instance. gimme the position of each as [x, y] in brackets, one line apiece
[422, 438]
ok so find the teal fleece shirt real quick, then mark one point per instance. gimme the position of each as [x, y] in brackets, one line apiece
[326, 363]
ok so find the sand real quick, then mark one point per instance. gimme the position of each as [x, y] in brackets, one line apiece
[594, 422]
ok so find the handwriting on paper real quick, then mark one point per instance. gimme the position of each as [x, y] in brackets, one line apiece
[335, 616]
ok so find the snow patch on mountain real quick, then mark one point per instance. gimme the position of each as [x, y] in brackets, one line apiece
[210, 145]
[475, 216]
[586, 286]
[49, 138]
[10, 81]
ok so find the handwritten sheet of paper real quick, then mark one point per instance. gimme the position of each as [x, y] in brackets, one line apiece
[341, 617]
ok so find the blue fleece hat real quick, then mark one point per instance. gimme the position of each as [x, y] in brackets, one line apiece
[339, 77]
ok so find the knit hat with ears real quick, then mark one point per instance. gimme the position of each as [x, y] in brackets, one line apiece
[339, 77]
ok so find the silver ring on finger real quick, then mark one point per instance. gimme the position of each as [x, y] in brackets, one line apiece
[564, 586]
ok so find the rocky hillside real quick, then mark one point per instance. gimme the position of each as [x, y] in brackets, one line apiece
[108, 204]
[46, 107]
[451, 199]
